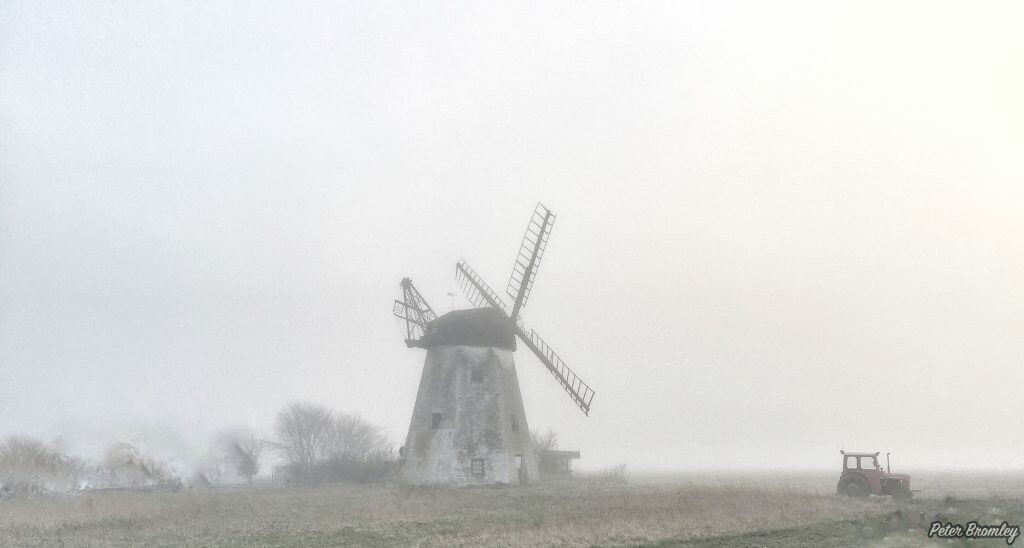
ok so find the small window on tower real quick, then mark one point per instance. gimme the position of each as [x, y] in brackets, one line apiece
[478, 467]
[515, 424]
[476, 375]
[435, 421]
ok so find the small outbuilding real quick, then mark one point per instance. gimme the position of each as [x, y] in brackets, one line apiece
[552, 463]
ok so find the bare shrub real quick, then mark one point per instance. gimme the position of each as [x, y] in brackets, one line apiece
[355, 439]
[27, 464]
[244, 453]
[359, 451]
[322, 446]
[125, 465]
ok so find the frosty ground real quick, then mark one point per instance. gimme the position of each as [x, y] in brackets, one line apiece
[668, 510]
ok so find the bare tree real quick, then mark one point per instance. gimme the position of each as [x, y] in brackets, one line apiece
[127, 465]
[304, 433]
[30, 465]
[245, 452]
[355, 439]
[547, 440]
[17, 451]
[320, 445]
[25, 464]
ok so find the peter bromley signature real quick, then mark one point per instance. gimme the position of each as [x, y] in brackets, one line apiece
[972, 530]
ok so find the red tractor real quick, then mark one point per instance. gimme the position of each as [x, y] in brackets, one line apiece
[862, 476]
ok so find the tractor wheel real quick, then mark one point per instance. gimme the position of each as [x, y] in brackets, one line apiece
[854, 488]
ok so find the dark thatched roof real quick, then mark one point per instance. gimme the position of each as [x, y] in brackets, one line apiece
[473, 327]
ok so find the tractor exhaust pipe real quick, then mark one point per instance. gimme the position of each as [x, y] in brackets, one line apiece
[888, 468]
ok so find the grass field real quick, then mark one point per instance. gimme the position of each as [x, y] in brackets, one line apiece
[685, 510]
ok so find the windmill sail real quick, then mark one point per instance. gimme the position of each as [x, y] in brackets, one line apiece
[481, 295]
[580, 391]
[475, 289]
[530, 253]
[413, 308]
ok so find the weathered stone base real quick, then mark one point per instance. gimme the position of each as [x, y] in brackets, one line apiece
[468, 409]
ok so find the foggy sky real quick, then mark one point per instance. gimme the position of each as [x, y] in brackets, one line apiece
[781, 230]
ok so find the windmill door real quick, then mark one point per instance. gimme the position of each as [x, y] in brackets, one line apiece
[521, 470]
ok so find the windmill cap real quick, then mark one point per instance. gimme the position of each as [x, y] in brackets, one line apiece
[474, 327]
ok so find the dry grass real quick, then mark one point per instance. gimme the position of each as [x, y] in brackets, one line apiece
[571, 514]
[931, 484]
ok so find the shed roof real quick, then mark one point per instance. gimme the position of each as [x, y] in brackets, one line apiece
[556, 454]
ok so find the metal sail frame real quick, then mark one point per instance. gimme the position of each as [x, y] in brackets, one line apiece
[413, 308]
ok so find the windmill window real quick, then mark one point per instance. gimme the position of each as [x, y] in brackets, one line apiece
[477, 467]
[435, 421]
[476, 375]
[515, 424]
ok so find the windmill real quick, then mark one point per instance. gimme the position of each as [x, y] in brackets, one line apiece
[468, 424]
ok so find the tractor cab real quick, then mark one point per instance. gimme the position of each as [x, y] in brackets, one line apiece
[862, 475]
